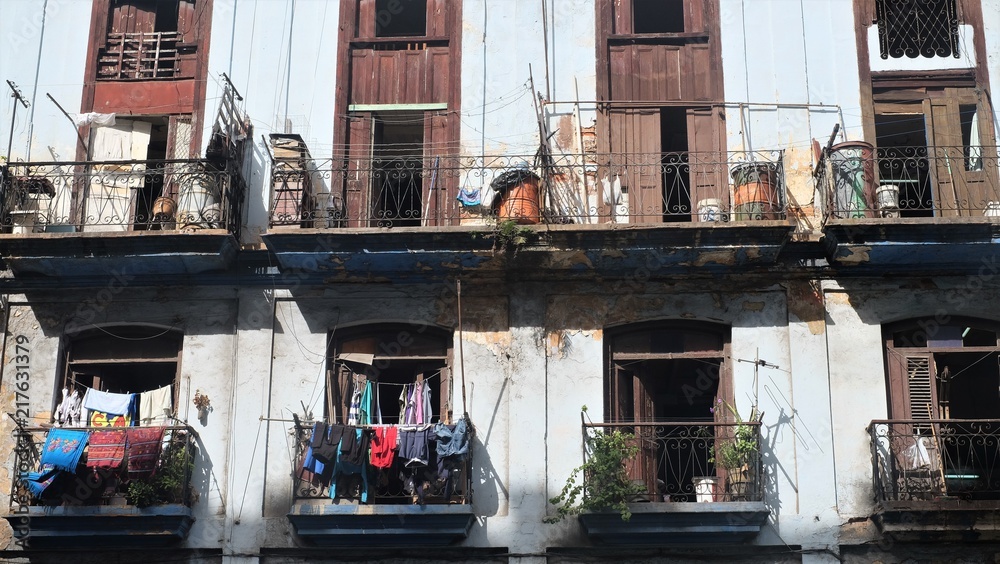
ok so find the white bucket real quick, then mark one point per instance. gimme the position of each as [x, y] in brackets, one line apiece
[710, 209]
[992, 209]
[887, 200]
[704, 488]
[195, 200]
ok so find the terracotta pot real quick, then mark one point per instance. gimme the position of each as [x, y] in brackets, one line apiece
[520, 203]
[164, 208]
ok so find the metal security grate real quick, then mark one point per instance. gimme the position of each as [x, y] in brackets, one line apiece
[917, 28]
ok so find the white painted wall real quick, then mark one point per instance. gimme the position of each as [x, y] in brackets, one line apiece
[43, 49]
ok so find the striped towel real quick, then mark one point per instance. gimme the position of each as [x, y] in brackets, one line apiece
[144, 445]
[106, 450]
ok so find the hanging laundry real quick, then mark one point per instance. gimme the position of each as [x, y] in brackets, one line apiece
[413, 447]
[452, 440]
[156, 406]
[69, 411]
[406, 406]
[115, 404]
[144, 445]
[354, 410]
[345, 465]
[365, 405]
[469, 196]
[417, 399]
[63, 449]
[325, 443]
[110, 409]
[106, 450]
[384, 446]
[428, 409]
[38, 482]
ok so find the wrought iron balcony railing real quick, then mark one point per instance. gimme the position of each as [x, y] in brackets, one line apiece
[936, 460]
[142, 56]
[402, 483]
[593, 188]
[691, 461]
[167, 195]
[156, 471]
[894, 182]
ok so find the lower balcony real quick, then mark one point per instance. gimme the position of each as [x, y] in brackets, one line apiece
[937, 479]
[398, 503]
[693, 483]
[94, 487]
[174, 216]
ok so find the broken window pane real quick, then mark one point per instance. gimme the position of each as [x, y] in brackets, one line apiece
[400, 18]
[658, 16]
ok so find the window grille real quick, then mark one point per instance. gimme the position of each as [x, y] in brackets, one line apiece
[917, 28]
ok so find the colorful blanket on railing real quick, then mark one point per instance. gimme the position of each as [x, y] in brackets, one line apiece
[38, 482]
[144, 445]
[106, 450]
[63, 449]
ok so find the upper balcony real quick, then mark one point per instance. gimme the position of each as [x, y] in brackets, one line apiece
[936, 479]
[400, 503]
[900, 207]
[167, 216]
[709, 209]
[98, 487]
[697, 482]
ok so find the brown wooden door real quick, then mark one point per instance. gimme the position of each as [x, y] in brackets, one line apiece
[706, 162]
[357, 181]
[959, 164]
[912, 386]
[635, 157]
[439, 178]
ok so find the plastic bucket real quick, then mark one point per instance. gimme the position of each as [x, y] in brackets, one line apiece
[194, 200]
[755, 196]
[710, 209]
[705, 488]
[520, 203]
[887, 199]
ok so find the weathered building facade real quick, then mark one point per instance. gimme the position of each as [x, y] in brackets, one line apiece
[758, 239]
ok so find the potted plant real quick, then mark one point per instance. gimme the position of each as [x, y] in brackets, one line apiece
[739, 453]
[606, 484]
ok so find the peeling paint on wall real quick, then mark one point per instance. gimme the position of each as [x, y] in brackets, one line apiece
[856, 255]
[805, 301]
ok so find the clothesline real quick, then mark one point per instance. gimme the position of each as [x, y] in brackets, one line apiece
[377, 382]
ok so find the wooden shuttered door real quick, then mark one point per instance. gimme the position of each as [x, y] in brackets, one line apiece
[635, 148]
[439, 178]
[631, 402]
[961, 186]
[357, 183]
[706, 163]
[912, 386]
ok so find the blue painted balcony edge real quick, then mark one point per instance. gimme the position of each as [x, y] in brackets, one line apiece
[663, 524]
[381, 525]
[102, 526]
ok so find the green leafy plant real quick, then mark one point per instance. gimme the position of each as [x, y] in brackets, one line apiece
[168, 484]
[508, 236]
[606, 484]
[738, 454]
[141, 493]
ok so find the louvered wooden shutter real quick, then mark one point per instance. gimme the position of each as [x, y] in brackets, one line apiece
[913, 394]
